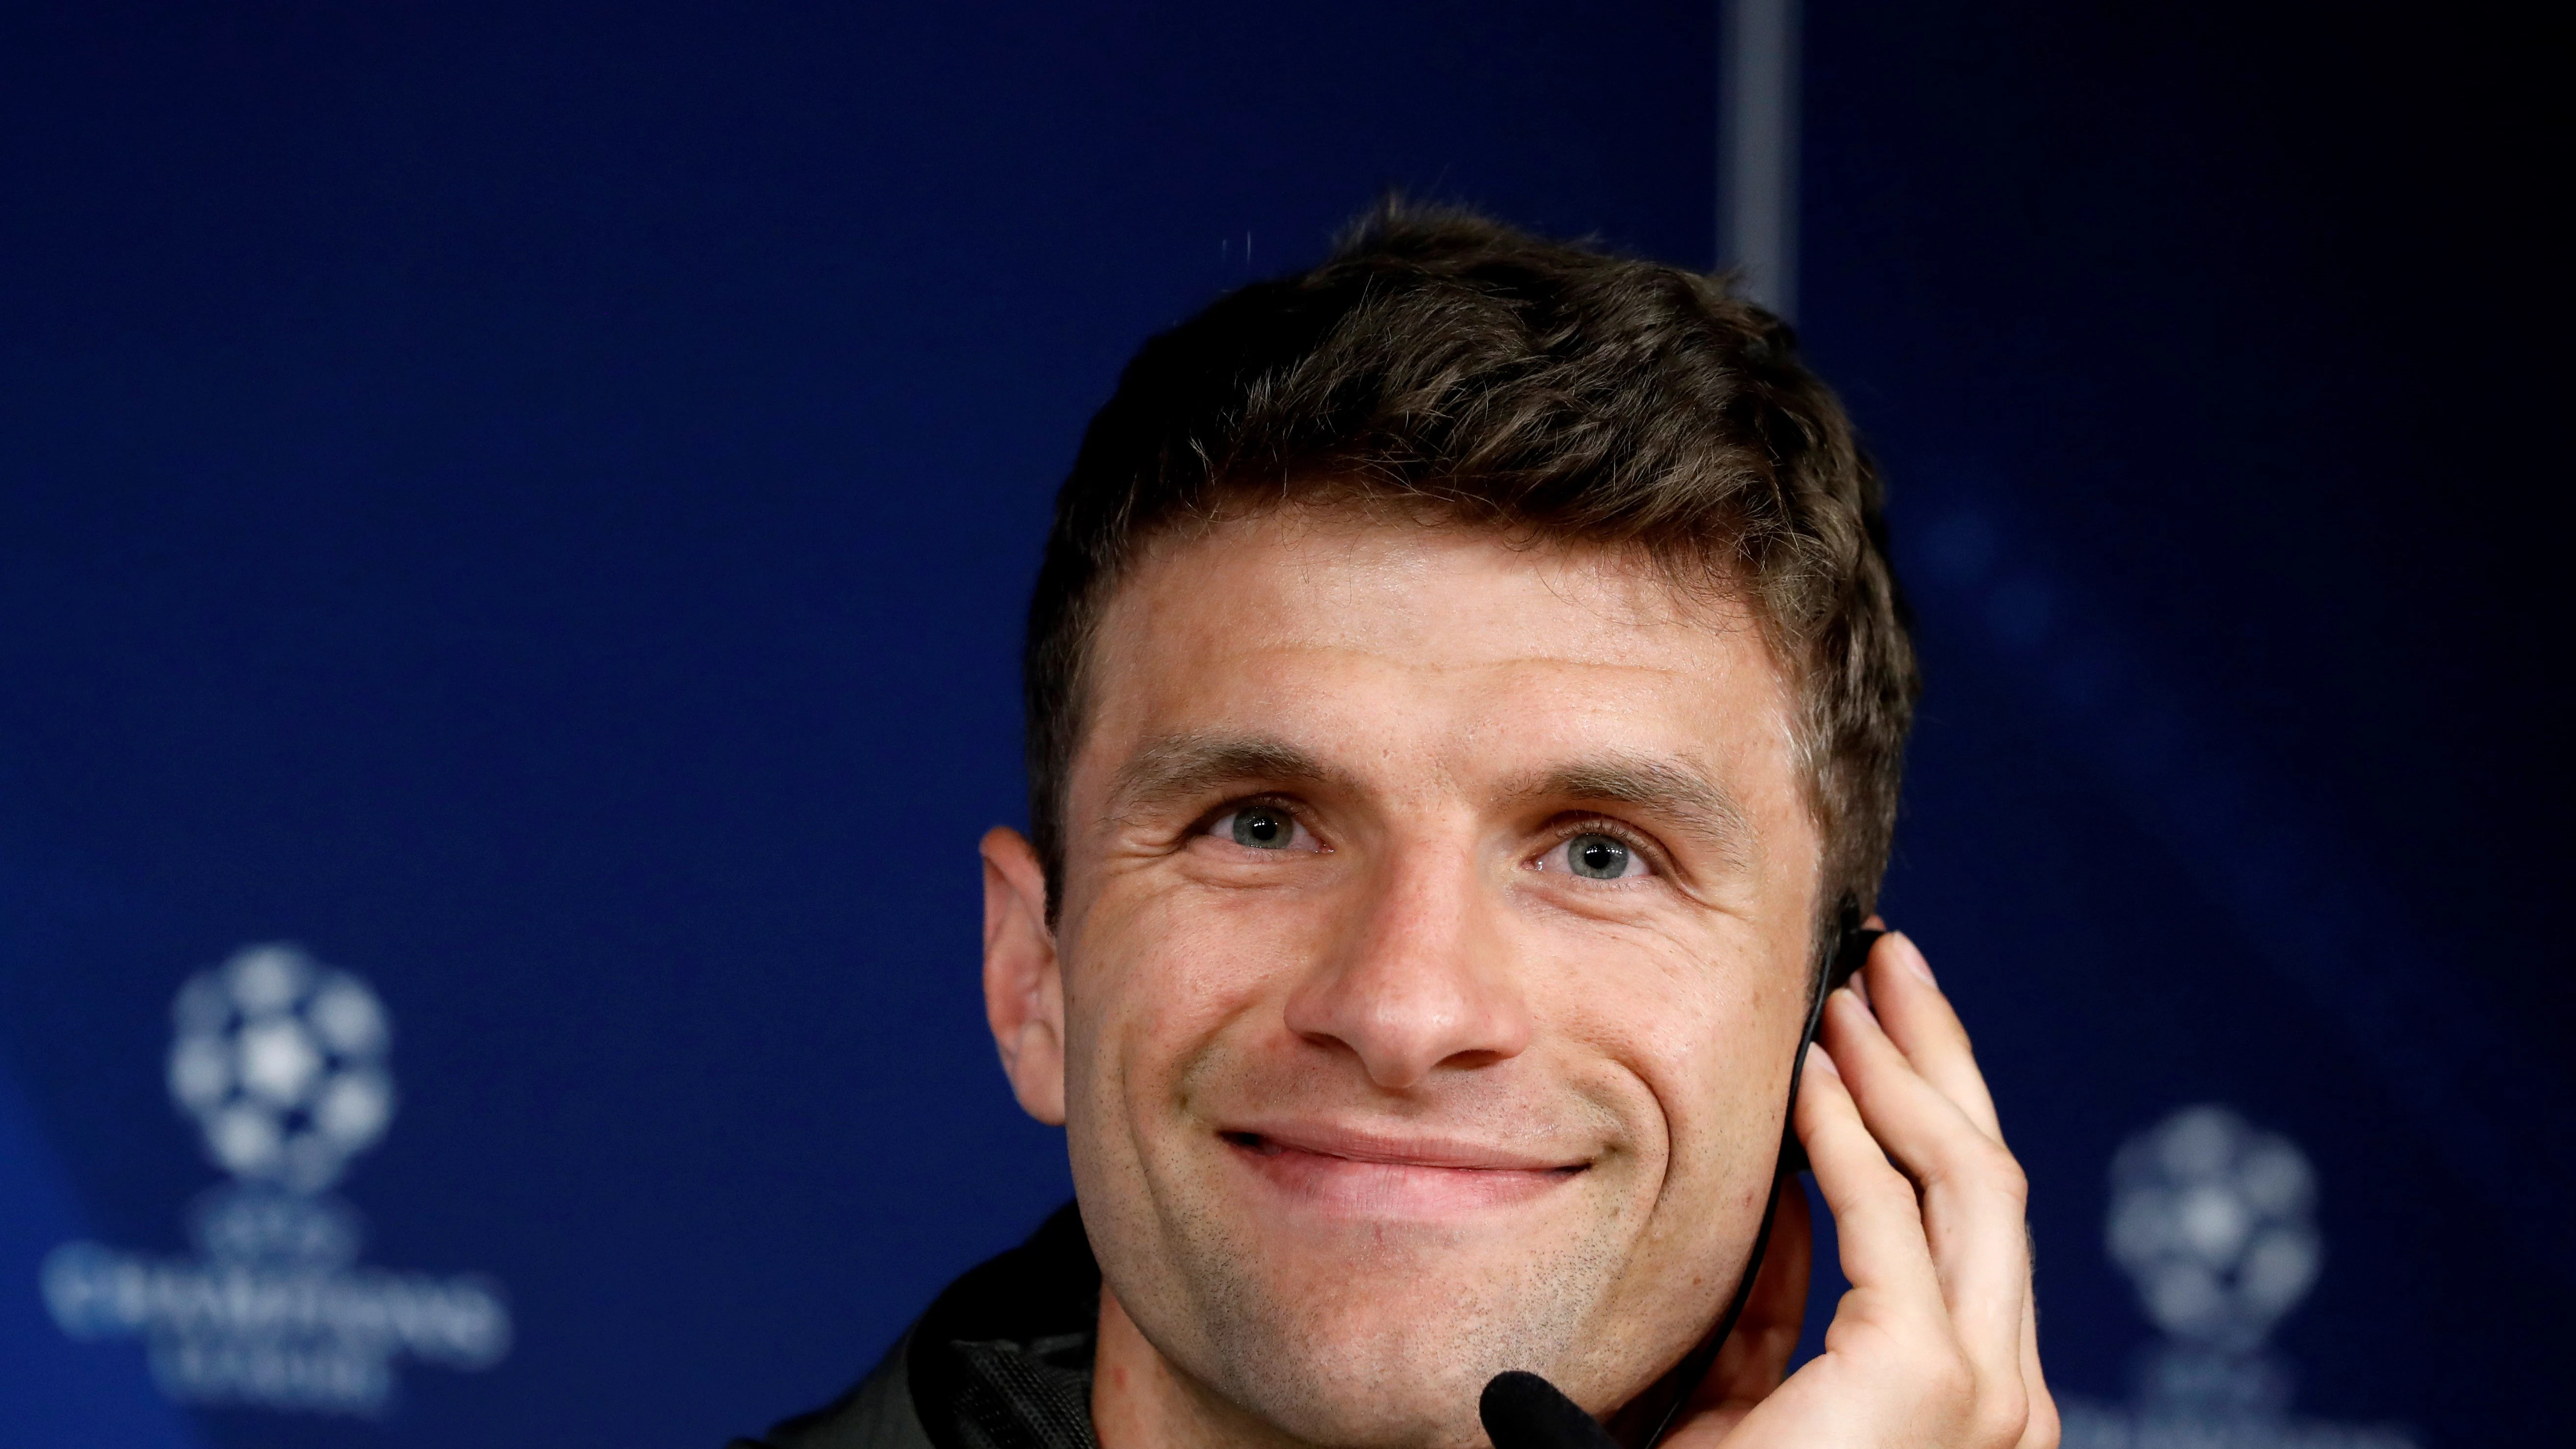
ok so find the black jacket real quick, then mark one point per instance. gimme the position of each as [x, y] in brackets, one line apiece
[1002, 1360]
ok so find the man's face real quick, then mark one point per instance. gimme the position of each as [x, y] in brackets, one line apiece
[1433, 953]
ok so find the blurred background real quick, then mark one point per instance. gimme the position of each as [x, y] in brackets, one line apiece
[513, 527]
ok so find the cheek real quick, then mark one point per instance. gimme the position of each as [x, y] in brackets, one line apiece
[1153, 983]
[1707, 1035]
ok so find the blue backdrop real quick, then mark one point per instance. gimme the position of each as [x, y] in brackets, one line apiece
[534, 502]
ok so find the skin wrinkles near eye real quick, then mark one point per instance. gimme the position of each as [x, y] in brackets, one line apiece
[1676, 793]
[1182, 769]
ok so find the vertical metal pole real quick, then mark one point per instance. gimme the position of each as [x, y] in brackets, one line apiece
[1757, 147]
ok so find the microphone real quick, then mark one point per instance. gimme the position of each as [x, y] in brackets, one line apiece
[1523, 1411]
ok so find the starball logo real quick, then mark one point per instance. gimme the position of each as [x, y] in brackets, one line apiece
[2214, 1221]
[283, 1062]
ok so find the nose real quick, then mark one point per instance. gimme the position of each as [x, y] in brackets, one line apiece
[1420, 978]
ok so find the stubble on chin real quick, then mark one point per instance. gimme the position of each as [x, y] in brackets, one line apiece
[1370, 1336]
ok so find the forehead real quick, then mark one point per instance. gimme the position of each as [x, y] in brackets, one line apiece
[1371, 635]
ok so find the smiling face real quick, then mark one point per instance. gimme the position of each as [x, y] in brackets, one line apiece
[1433, 951]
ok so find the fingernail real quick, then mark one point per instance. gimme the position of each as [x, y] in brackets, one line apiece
[1860, 998]
[1818, 1060]
[1912, 956]
[1858, 985]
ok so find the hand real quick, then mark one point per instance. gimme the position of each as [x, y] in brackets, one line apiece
[1937, 1343]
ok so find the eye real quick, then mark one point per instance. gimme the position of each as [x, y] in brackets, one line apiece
[1261, 827]
[1595, 856]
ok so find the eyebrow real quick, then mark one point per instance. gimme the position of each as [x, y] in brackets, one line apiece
[1678, 793]
[1177, 767]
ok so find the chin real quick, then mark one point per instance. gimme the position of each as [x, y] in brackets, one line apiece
[1366, 1385]
[1391, 1346]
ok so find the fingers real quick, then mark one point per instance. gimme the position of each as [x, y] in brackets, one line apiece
[1917, 1017]
[1937, 1341]
[1973, 1193]
[1877, 1221]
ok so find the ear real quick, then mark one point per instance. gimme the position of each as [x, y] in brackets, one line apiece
[1023, 985]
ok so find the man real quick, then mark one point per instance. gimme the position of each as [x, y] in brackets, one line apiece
[1465, 689]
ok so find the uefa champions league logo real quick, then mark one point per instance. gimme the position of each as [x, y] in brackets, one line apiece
[282, 1061]
[282, 1064]
[2213, 1219]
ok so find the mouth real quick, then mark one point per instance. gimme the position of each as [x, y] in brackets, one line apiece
[1347, 1172]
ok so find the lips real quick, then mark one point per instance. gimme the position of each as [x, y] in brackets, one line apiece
[1347, 1171]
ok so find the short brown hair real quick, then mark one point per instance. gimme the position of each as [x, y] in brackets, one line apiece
[1441, 360]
